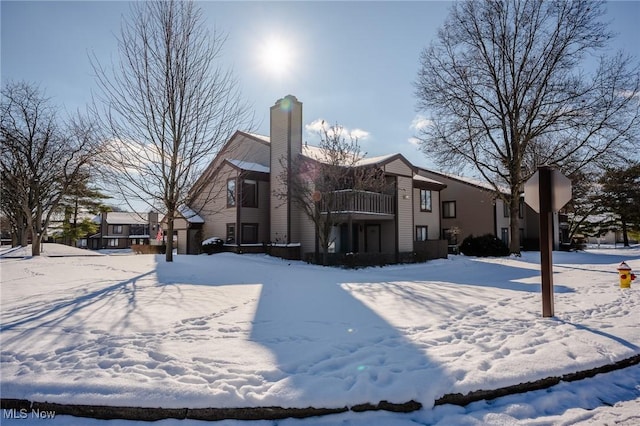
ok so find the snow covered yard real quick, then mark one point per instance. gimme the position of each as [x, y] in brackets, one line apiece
[248, 330]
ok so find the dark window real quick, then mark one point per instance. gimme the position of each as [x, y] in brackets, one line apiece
[451, 235]
[448, 209]
[249, 193]
[249, 233]
[231, 193]
[231, 233]
[425, 200]
[139, 230]
[506, 209]
[117, 229]
[521, 208]
[422, 233]
[504, 235]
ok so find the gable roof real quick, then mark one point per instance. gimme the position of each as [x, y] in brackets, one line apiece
[219, 158]
[316, 153]
[248, 166]
[189, 214]
[477, 183]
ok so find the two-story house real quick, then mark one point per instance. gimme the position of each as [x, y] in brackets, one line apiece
[120, 230]
[238, 198]
[472, 207]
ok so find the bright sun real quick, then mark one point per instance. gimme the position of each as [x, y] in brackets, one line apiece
[276, 56]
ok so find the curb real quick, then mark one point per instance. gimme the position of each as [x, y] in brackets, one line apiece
[276, 413]
[462, 400]
[102, 412]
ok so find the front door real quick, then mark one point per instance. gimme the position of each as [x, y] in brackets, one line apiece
[372, 239]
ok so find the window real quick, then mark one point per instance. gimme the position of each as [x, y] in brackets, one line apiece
[422, 233]
[504, 235]
[139, 230]
[505, 209]
[231, 193]
[117, 229]
[425, 200]
[448, 209]
[113, 242]
[231, 233]
[249, 193]
[451, 235]
[249, 233]
[521, 208]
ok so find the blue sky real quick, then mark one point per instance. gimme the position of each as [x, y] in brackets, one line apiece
[353, 63]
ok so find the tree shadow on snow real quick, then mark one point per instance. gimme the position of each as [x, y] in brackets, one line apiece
[63, 313]
[331, 350]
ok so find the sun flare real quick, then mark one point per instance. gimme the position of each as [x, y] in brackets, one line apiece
[276, 56]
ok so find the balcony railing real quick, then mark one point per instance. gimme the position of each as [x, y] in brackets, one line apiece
[353, 201]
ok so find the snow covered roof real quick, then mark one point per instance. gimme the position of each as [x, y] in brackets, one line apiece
[189, 214]
[125, 218]
[261, 137]
[471, 181]
[318, 154]
[426, 179]
[248, 166]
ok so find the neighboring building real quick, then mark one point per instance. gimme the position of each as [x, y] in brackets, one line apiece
[187, 230]
[472, 207]
[120, 230]
[237, 198]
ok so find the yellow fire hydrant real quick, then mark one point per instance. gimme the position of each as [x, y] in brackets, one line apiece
[626, 276]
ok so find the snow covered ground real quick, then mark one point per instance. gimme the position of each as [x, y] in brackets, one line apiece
[238, 331]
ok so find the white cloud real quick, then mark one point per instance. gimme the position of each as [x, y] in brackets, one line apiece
[359, 134]
[315, 127]
[420, 122]
[414, 141]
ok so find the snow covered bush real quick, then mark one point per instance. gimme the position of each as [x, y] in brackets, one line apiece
[212, 245]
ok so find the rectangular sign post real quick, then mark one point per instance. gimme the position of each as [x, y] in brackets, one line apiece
[546, 192]
[546, 238]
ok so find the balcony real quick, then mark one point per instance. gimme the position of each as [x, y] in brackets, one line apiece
[349, 201]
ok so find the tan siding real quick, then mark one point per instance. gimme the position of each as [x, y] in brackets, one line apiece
[284, 124]
[239, 148]
[259, 215]
[430, 219]
[398, 167]
[211, 205]
[474, 207]
[501, 221]
[405, 215]
[307, 235]
[182, 241]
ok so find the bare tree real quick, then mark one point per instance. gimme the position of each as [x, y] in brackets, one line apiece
[324, 182]
[40, 158]
[167, 105]
[505, 89]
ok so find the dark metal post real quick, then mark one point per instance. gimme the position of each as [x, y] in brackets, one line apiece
[546, 239]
